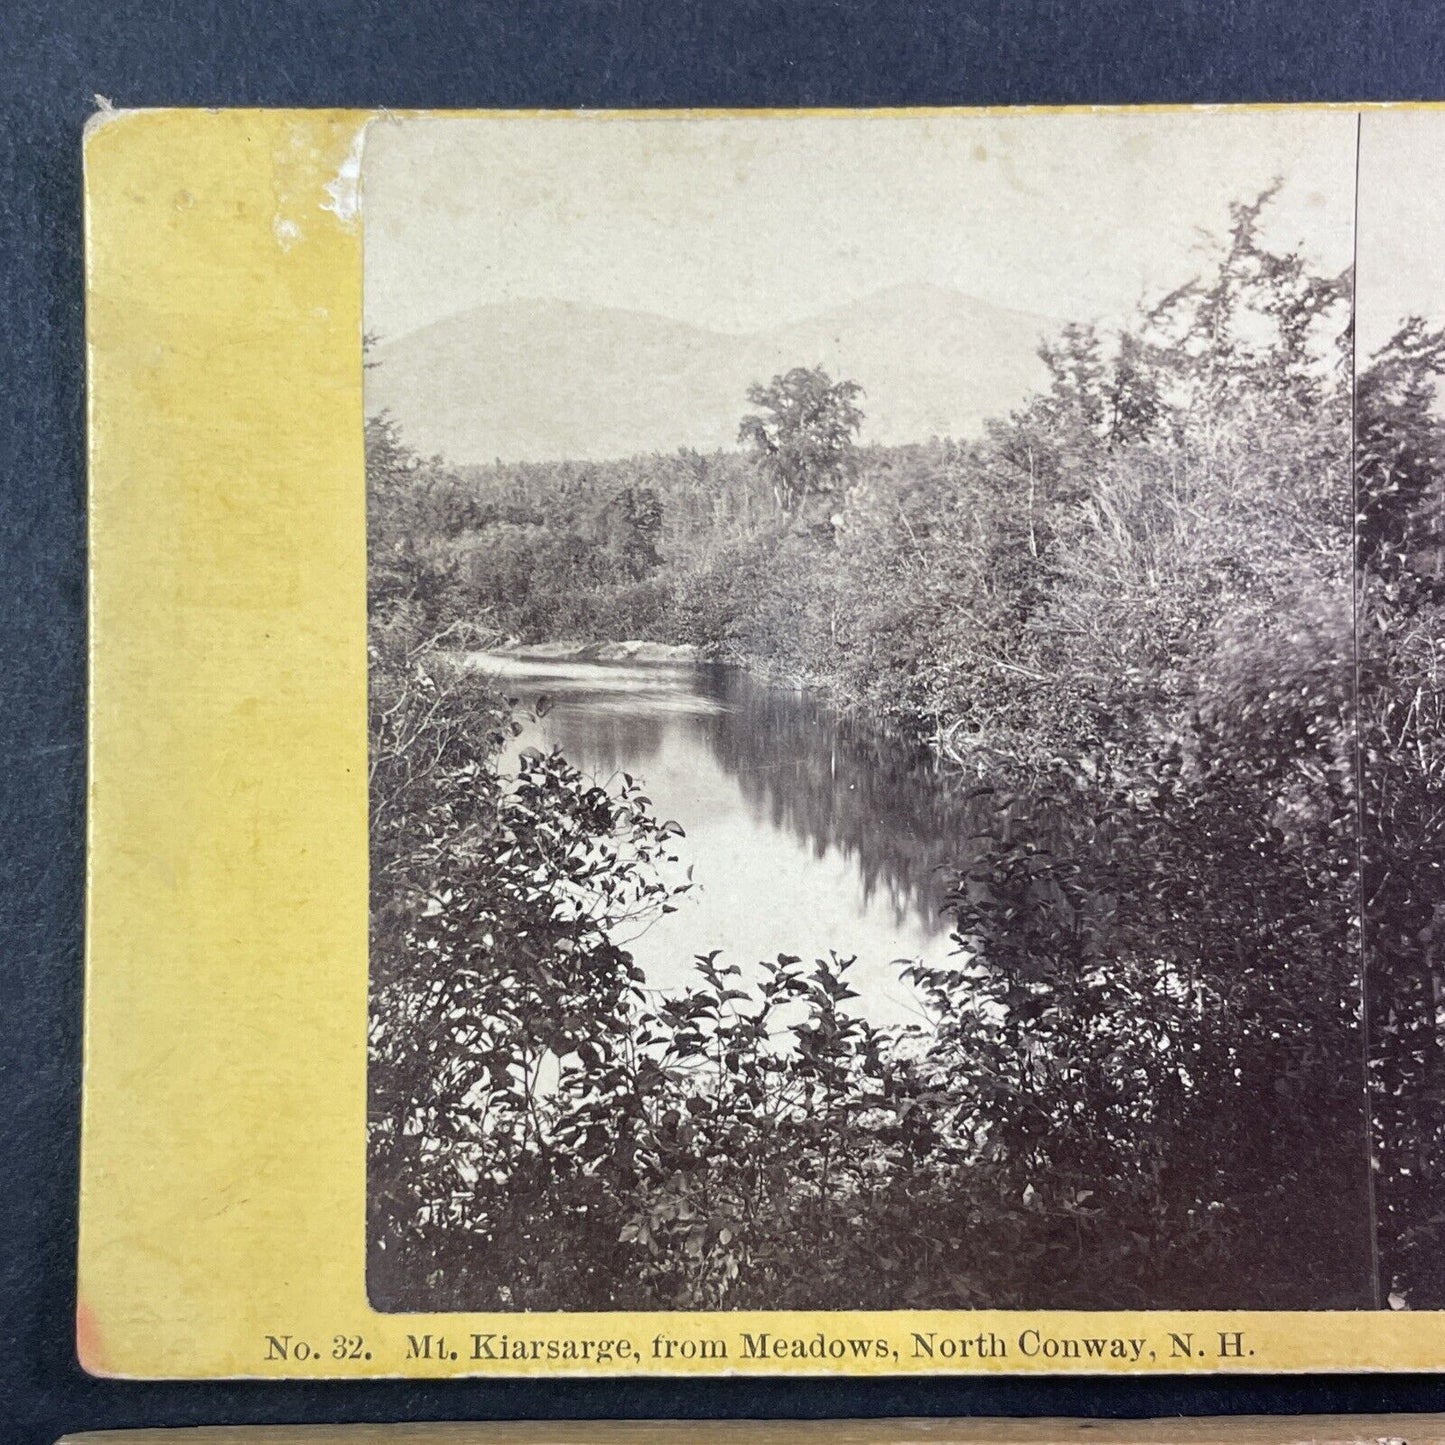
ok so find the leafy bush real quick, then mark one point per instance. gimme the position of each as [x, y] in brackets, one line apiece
[1400, 443]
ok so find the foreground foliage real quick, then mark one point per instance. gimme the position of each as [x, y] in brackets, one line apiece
[1400, 459]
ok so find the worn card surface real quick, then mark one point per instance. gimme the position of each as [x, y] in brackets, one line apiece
[765, 742]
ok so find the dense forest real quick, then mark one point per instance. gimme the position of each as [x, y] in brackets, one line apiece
[1126, 615]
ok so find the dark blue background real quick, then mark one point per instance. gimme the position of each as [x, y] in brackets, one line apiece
[54, 57]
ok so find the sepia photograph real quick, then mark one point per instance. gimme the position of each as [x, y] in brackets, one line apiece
[1400, 520]
[906, 656]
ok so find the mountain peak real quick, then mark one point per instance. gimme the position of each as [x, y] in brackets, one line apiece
[545, 378]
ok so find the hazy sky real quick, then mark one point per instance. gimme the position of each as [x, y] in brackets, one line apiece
[736, 223]
[1402, 222]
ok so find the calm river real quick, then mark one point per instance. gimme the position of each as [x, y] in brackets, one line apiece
[804, 834]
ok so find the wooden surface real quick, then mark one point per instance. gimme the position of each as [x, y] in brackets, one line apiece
[1226, 1430]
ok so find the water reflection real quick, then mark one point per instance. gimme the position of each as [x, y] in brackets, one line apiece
[834, 785]
[805, 832]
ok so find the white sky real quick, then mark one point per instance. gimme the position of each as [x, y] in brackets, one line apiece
[737, 223]
[1401, 269]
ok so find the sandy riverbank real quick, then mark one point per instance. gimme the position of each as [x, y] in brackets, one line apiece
[573, 651]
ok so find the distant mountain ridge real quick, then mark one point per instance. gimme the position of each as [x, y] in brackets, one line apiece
[537, 380]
